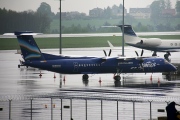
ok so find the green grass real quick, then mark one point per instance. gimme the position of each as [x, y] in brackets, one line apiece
[73, 42]
[8, 43]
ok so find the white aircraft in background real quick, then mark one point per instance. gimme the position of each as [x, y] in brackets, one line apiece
[153, 44]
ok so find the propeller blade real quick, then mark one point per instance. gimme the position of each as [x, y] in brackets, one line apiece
[142, 66]
[136, 53]
[141, 63]
[109, 52]
[105, 53]
[142, 52]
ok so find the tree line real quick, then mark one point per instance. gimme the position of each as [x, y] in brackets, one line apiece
[159, 20]
[11, 21]
[40, 20]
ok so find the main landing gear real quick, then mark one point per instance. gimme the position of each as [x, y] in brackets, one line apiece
[166, 56]
[154, 53]
[85, 77]
[117, 77]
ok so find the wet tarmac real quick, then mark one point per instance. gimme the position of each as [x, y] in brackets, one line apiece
[18, 82]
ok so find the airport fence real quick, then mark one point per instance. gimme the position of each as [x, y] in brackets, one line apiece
[83, 107]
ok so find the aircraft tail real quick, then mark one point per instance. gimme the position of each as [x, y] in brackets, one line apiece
[29, 48]
[129, 34]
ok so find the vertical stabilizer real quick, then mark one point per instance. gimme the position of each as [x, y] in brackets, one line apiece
[128, 30]
[29, 48]
[129, 34]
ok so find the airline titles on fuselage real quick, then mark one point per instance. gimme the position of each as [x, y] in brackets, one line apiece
[121, 63]
[147, 64]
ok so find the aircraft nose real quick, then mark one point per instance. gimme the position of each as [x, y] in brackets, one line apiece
[172, 67]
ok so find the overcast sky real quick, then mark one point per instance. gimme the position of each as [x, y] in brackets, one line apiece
[73, 5]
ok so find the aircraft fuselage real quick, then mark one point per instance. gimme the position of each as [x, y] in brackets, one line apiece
[153, 44]
[97, 65]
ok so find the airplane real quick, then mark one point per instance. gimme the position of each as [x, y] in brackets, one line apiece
[153, 44]
[85, 65]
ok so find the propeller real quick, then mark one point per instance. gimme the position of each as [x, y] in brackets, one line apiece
[141, 53]
[140, 59]
[105, 58]
[109, 52]
[106, 53]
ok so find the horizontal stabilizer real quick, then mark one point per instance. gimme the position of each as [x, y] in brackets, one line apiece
[22, 33]
[31, 34]
[8, 34]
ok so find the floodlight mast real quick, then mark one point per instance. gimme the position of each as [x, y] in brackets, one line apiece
[123, 32]
[60, 40]
[60, 34]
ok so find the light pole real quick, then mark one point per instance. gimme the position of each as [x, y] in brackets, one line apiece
[60, 40]
[123, 32]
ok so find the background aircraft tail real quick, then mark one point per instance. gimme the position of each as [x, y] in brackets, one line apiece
[128, 30]
[129, 34]
[29, 48]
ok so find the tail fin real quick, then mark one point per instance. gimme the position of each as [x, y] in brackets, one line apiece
[29, 48]
[129, 34]
[128, 30]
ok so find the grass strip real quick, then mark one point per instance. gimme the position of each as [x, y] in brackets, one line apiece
[74, 42]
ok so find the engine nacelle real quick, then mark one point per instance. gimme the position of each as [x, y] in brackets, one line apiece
[151, 42]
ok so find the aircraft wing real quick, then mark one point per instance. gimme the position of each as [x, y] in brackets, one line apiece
[171, 50]
[110, 44]
[135, 57]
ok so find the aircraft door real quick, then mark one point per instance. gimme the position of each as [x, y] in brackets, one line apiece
[75, 67]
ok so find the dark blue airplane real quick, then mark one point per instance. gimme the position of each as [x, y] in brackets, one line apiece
[33, 57]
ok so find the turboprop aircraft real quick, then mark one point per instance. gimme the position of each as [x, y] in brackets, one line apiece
[153, 44]
[33, 57]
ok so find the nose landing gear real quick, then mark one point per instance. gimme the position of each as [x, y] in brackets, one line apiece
[85, 77]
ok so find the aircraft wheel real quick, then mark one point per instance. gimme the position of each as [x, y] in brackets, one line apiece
[18, 66]
[85, 77]
[117, 78]
[168, 77]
